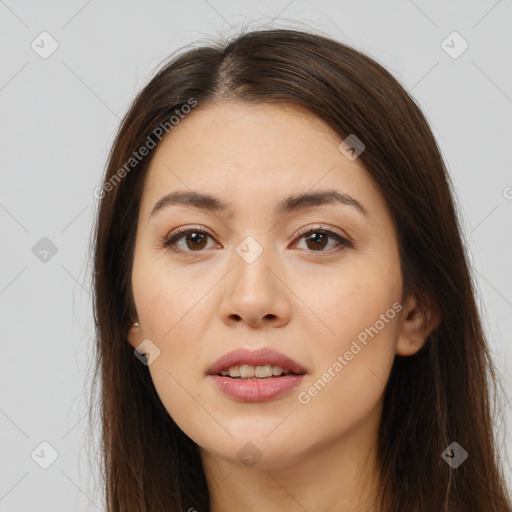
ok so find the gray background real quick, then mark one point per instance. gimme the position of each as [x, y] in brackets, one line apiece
[58, 119]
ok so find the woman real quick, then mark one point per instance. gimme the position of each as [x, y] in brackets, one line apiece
[285, 316]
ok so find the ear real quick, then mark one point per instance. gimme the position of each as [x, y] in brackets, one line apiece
[134, 336]
[418, 322]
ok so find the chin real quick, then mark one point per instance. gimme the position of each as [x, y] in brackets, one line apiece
[257, 450]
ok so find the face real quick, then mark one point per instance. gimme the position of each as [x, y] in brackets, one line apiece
[319, 282]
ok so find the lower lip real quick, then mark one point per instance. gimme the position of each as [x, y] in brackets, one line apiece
[257, 390]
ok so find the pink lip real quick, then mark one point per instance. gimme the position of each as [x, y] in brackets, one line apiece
[256, 390]
[259, 357]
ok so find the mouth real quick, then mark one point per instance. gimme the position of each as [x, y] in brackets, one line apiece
[265, 363]
[250, 372]
[256, 375]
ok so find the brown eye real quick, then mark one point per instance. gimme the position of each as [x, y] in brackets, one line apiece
[318, 239]
[196, 240]
[192, 240]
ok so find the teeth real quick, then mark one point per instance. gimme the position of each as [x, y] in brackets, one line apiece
[247, 371]
[277, 370]
[263, 371]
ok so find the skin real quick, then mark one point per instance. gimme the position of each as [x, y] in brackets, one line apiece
[198, 304]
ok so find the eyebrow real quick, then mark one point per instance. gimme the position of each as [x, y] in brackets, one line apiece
[291, 203]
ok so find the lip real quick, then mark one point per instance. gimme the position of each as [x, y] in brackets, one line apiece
[258, 357]
[256, 390]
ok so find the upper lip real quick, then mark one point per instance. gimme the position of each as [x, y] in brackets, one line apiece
[258, 357]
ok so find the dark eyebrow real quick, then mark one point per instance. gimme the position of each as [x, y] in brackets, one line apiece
[285, 206]
[300, 201]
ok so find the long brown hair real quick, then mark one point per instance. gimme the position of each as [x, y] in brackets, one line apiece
[438, 396]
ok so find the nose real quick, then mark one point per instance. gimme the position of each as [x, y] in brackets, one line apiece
[255, 294]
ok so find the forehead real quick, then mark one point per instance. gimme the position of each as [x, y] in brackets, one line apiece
[252, 151]
[272, 132]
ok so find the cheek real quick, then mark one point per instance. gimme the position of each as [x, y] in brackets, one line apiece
[351, 301]
[353, 361]
[169, 300]
[173, 310]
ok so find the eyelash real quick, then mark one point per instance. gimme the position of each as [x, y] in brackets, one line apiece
[174, 237]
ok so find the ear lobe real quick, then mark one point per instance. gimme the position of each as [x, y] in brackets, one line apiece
[134, 335]
[418, 322]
